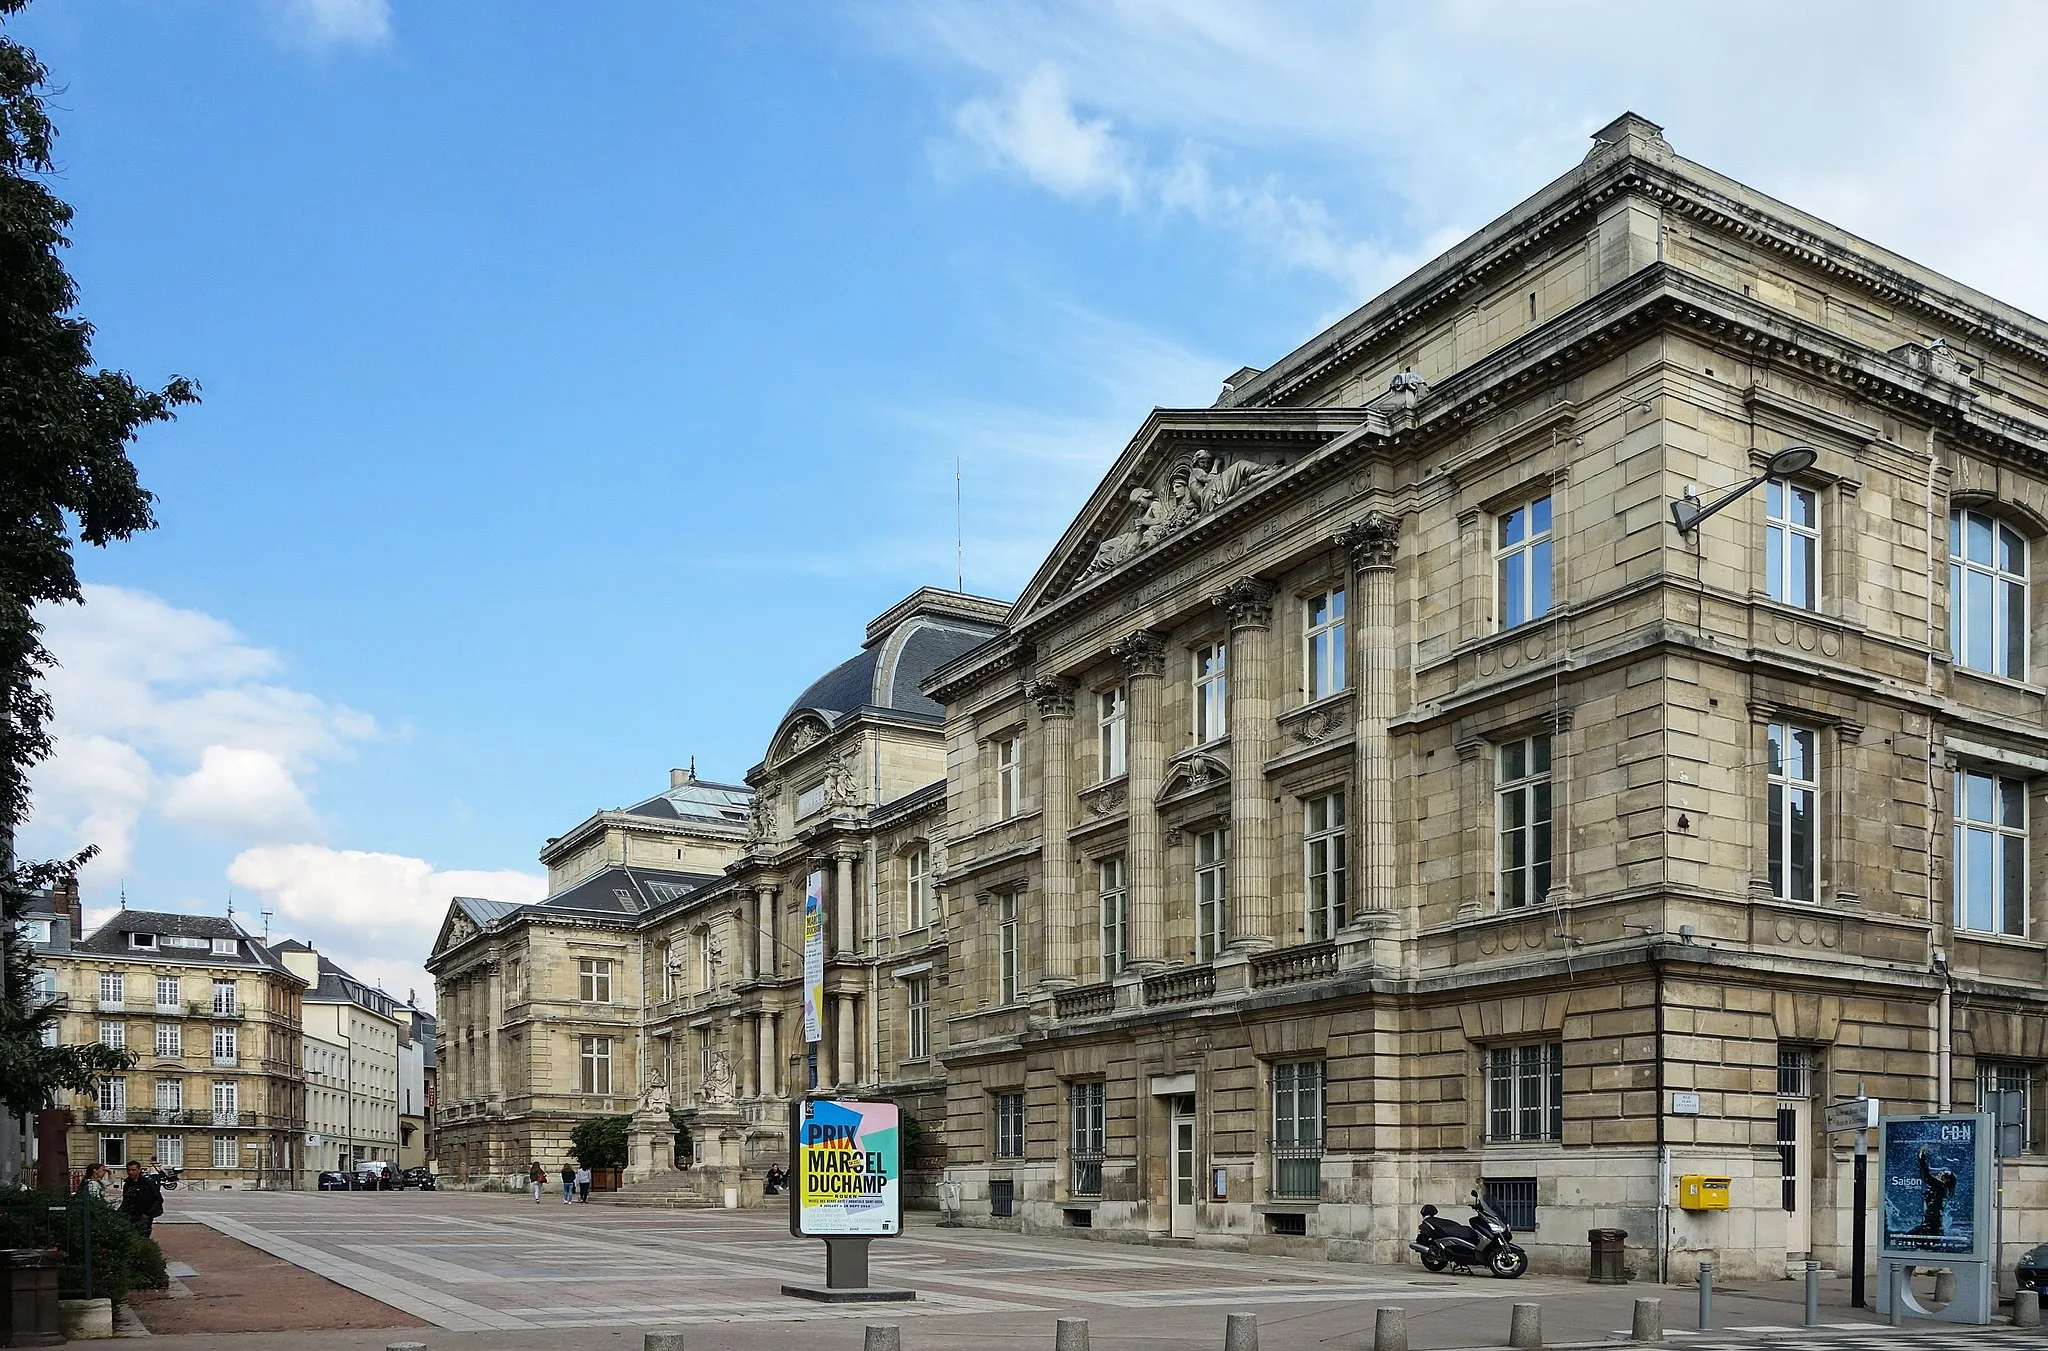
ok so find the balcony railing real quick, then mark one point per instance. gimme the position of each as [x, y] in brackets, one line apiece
[1086, 1001]
[106, 1005]
[224, 1061]
[1288, 966]
[1297, 1172]
[171, 1010]
[1087, 1179]
[174, 1116]
[1177, 987]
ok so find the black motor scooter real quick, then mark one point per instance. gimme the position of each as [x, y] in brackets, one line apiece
[1487, 1242]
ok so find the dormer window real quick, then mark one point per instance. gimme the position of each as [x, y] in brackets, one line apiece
[146, 942]
[226, 947]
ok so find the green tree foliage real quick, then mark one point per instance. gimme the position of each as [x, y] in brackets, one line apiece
[65, 478]
[600, 1141]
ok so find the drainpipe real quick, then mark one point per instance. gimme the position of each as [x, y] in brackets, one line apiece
[1663, 1146]
[1944, 1050]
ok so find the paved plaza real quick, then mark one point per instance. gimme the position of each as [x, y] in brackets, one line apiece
[498, 1271]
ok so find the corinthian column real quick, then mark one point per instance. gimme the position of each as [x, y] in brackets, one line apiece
[1250, 603]
[749, 926]
[1055, 698]
[761, 942]
[842, 905]
[1372, 543]
[1144, 657]
[845, 1063]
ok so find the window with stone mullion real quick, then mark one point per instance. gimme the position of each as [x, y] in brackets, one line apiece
[1991, 853]
[1522, 795]
[1116, 932]
[1324, 870]
[1793, 810]
[1987, 595]
[1323, 657]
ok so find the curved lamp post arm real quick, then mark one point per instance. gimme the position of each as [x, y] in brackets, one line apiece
[1688, 511]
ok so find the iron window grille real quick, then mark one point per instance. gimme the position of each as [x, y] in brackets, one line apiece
[1009, 1125]
[1298, 1130]
[1085, 1104]
[1514, 1198]
[1525, 1092]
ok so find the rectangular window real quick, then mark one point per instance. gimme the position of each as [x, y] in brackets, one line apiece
[227, 947]
[1009, 776]
[167, 992]
[1322, 656]
[1212, 692]
[113, 987]
[1323, 865]
[170, 1151]
[597, 1065]
[1522, 564]
[113, 1095]
[170, 1095]
[1998, 1076]
[1298, 1130]
[1794, 779]
[114, 1150]
[917, 893]
[36, 931]
[1006, 947]
[1991, 853]
[224, 1045]
[170, 1041]
[147, 942]
[1212, 893]
[42, 985]
[1112, 727]
[114, 1035]
[224, 996]
[1112, 886]
[1009, 1125]
[1525, 1092]
[1087, 1136]
[917, 1003]
[1791, 544]
[1987, 595]
[226, 1152]
[707, 966]
[226, 1102]
[594, 980]
[1523, 795]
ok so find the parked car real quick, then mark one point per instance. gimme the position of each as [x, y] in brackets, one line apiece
[334, 1182]
[376, 1175]
[422, 1177]
[2032, 1273]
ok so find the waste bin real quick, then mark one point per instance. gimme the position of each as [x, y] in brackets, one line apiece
[1605, 1267]
[28, 1297]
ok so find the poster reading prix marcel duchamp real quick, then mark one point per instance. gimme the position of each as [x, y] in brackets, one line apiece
[1930, 1186]
[849, 1169]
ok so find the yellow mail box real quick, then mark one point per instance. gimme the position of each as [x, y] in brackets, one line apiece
[1698, 1191]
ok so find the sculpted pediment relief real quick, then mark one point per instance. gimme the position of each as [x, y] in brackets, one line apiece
[802, 735]
[455, 930]
[1197, 485]
[1193, 773]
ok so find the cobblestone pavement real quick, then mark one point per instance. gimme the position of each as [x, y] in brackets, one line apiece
[502, 1272]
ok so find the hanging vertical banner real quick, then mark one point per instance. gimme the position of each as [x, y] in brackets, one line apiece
[814, 958]
[846, 1176]
[1937, 1201]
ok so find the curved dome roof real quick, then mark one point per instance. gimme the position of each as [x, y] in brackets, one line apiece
[887, 674]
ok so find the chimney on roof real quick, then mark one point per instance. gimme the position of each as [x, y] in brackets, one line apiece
[69, 904]
[678, 777]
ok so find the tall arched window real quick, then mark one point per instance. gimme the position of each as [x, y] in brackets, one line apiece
[1987, 590]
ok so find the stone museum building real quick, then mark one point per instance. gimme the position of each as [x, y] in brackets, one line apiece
[1376, 794]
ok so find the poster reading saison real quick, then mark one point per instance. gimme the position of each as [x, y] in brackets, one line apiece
[814, 958]
[1932, 1186]
[848, 1174]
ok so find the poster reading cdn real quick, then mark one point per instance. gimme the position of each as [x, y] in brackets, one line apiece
[847, 1177]
[1935, 1197]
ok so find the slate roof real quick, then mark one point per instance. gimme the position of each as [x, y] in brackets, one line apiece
[888, 674]
[111, 939]
[698, 800]
[625, 891]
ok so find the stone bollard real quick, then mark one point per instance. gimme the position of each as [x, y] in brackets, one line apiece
[1525, 1327]
[405, 1346]
[883, 1337]
[1070, 1334]
[2026, 1309]
[1241, 1332]
[1390, 1330]
[1944, 1286]
[662, 1341]
[1648, 1323]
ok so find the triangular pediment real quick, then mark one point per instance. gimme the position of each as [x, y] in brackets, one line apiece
[456, 929]
[1184, 470]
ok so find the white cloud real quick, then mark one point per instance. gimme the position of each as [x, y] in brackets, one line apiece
[335, 23]
[1036, 129]
[1348, 138]
[373, 913]
[158, 708]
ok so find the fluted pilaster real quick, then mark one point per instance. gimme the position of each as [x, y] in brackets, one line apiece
[1249, 602]
[1054, 696]
[1373, 543]
[1143, 655]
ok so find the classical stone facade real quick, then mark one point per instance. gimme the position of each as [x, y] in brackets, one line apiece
[1375, 796]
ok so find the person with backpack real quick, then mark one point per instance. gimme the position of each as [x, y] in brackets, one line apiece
[538, 1176]
[141, 1199]
[568, 1184]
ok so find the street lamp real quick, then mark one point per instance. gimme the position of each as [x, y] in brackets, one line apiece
[1688, 511]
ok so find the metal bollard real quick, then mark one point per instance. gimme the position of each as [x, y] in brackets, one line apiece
[883, 1337]
[1241, 1332]
[1070, 1334]
[1900, 1275]
[1648, 1323]
[2026, 1308]
[1390, 1330]
[1706, 1320]
[1525, 1327]
[662, 1341]
[1813, 1294]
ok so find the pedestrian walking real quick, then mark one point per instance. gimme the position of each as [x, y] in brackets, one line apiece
[583, 1185]
[94, 1183]
[568, 1184]
[141, 1199]
[538, 1176]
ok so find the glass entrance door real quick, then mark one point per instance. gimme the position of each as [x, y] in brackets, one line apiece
[1183, 1170]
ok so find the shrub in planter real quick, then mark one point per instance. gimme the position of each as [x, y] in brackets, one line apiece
[600, 1142]
[122, 1259]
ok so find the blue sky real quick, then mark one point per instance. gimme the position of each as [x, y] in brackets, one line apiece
[578, 381]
